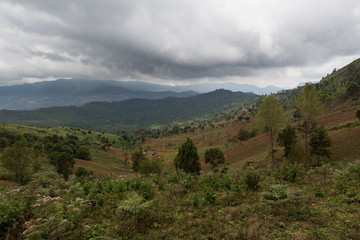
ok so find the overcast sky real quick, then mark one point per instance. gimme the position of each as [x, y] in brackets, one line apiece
[272, 42]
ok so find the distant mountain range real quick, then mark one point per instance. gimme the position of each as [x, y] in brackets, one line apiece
[73, 92]
[129, 114]
[63, 92]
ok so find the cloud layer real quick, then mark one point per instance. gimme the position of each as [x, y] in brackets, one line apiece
[275, 42]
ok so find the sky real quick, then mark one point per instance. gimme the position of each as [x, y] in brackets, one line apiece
[177, 42]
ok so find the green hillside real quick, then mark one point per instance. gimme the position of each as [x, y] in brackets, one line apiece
[130, 114]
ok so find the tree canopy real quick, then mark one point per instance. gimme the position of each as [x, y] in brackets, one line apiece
[214, 156]
[187, 158]
[287, 139]
[319, 143]
[269, 119]
[310, 107]
[18, 159]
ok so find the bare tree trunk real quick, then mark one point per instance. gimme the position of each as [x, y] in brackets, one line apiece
[306, 136]
[272, 150]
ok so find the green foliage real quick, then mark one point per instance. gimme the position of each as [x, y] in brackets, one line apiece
[19, 161]
[81, 172]
[11, 210]
[151, 166]
[289, 173]
[245, 134]
[319, 142]
[310, 107]
[309, 104]
[187, 158]
[269, 119]
[137, 157]
[358, 112]
[134, 205]
[63, 162]
[3, 142]
[214, 156]
[210, 197]
[276, 193]
[287, 139]
[319, 193]
[84, 153]
[252, 178]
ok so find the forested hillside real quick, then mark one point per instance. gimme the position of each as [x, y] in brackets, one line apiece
[129, 114]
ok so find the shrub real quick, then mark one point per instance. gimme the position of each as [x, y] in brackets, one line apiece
[276, 193]
[134, 205]
[151, 166]
[245, 134]
[81, 172]
[252, 179]
[84, 153]
[289, 173]
[210, 197]
[137, 157]
[10, 211]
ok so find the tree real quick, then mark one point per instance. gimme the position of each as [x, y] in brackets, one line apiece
[269, 118]
[319, 143]
[84, 152]
[63, 162]
[310, 107]
[19, 160]
[358, 112]
[137, 157]
[214, 156]
[287, 139]
[187, 158]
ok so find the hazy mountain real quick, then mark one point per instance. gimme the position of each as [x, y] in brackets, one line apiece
[201, 88]
[64, 92]
[134, 113]
[75, 92]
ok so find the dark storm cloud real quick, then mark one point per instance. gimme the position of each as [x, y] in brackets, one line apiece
[179, 40]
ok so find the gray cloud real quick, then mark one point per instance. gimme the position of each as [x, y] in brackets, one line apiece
[273, 42]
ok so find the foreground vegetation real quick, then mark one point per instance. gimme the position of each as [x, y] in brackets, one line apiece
[322, 203]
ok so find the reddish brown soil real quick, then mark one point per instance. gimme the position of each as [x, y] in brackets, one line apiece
[7, 182]
[338, 117]
[98, 168]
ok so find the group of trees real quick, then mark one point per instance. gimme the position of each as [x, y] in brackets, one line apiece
[21, 153]
[141, 163]
[187, 159]
[270, 118]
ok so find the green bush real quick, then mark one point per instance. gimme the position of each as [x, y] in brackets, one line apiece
[151, 166]
[276, 193]
[210, 197]
[10, 211]
[84, 153]
[252, 179]
[289, 173]
[134, 205]
[81, 172]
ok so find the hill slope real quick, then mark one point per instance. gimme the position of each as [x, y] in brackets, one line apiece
[115, 116]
